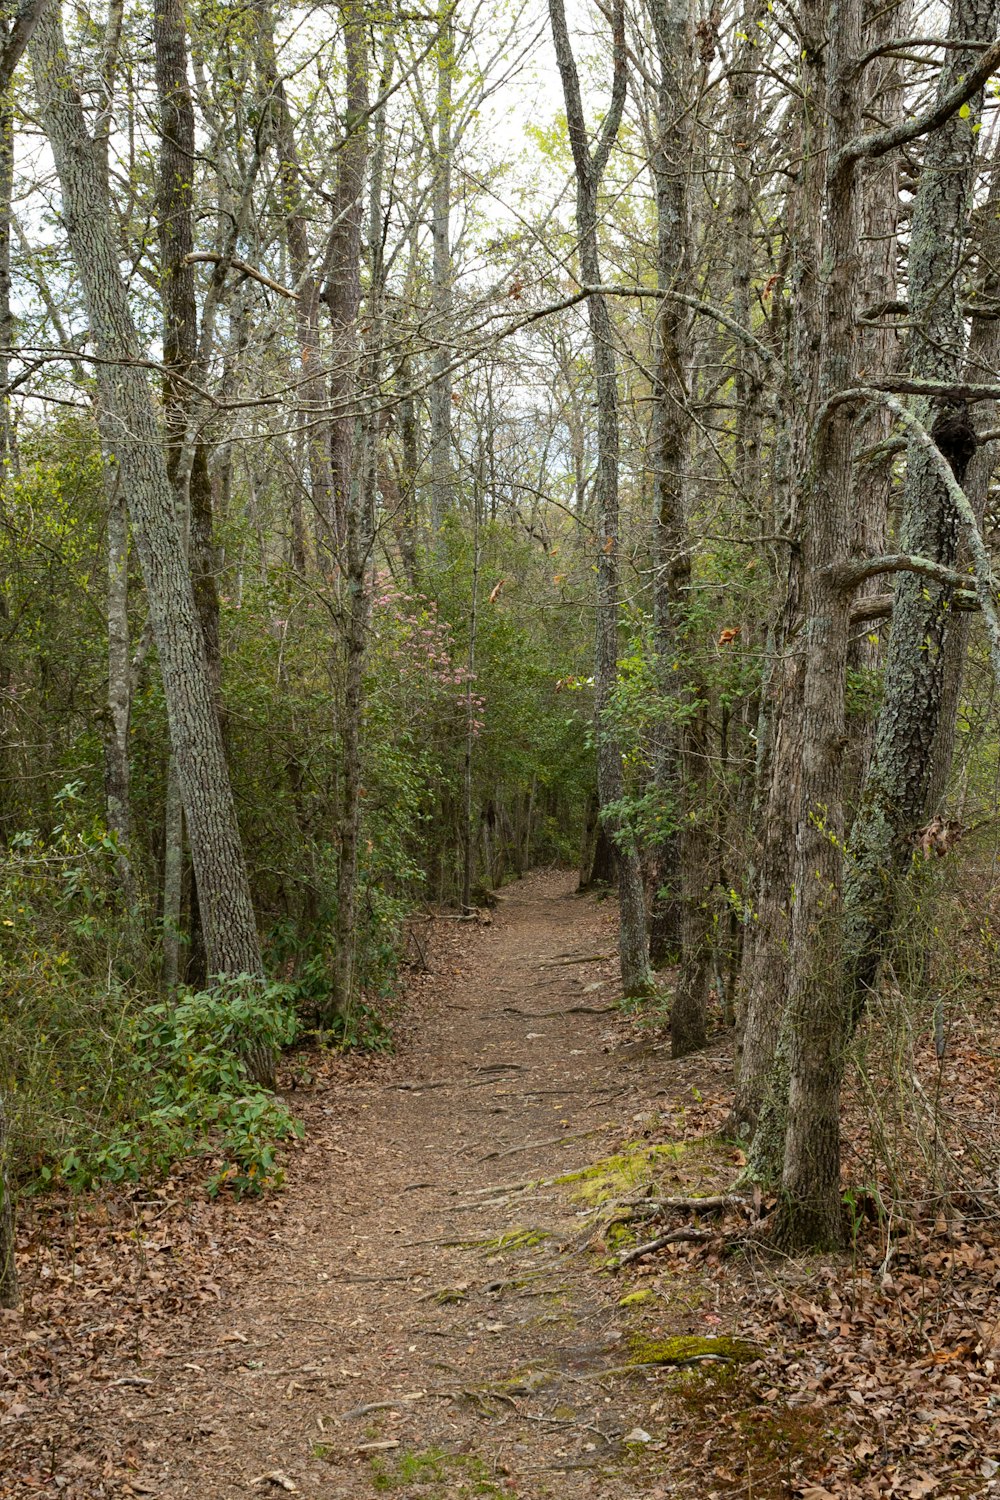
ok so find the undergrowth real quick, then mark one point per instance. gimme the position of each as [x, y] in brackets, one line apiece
[106, 1081]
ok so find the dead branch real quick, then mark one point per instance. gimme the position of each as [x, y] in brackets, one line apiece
[675, 1237]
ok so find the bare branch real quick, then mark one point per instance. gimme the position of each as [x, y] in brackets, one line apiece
[882, 141]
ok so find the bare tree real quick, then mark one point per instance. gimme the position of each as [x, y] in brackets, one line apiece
[590, 164]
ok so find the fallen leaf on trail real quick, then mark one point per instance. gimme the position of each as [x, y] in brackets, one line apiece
[276, 1477]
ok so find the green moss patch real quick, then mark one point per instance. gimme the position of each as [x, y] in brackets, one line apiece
[630, 1168]
[689, 1349]
[635, 1299]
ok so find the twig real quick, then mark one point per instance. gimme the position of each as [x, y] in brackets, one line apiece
[675, 1237]
[406, 1399]
[589, 958]
[570, 1010]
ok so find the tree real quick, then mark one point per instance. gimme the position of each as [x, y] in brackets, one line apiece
[589, 164]
[226, 909]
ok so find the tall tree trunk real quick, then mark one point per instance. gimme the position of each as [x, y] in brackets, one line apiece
[360, 536]
[226, 907]
[590, 166]
[342, 284]
[878, 350]
[187, 460]
[442, 296]
[763, 978]
[681, 752]
[117, 776]
[8, 1266]
[809, 1211]
[469, 833]
[895, 798]
[314, 423]
[983, 354]
[7, 454]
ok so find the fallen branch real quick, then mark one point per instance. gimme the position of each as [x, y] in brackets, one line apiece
[570, 1010]
[675, 1237]
[590, 958]
[692, 1205]
[406, 1399]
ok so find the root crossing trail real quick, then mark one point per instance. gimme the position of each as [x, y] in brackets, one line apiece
[419, 1322]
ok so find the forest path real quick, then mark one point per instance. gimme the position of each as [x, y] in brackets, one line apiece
[346, 1314]
[386, 1338]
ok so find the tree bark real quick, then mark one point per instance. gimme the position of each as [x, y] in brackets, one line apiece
[682, 920]
[589, 164]
[315, 426]
[809, 1211]
[894, 802]
[227, 911]
[8, 1266]
[117, 776]
[342, 283]
[442, 292]
[359, 538]
[878, 351]
[670, 454]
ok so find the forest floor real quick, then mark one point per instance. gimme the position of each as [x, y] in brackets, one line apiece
[427, 1310]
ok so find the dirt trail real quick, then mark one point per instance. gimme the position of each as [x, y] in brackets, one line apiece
[388, 1338]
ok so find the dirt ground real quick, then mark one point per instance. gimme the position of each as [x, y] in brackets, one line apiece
[427, 1311]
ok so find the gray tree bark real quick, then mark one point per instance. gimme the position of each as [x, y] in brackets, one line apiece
[809, 1211]
[117, 775]
[894, 802]
[342, 271]
[442, 291]
[360, 536]
[878, 353]
[590, 164]
[217, 853]
[681, 920]
[315, 426]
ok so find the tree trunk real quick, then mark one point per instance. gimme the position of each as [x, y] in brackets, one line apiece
[442, 468]
[777, 772]
[983, 354]
[589, 164]
[315, 429]
[342, 280]
[117, 778]
[227, 911]
[8, 1266]
[894, 802]
[878, 351]
[360, 536]
[810, 1211]
[682, 921]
